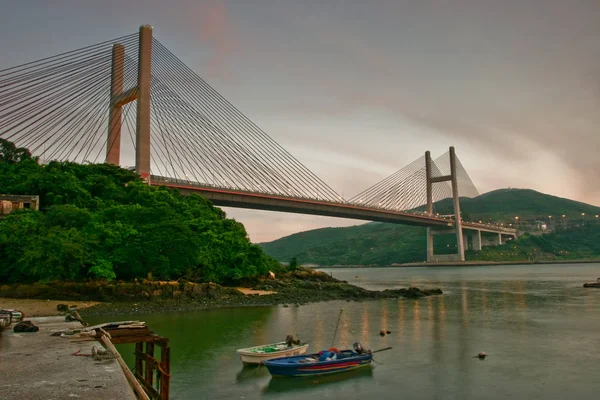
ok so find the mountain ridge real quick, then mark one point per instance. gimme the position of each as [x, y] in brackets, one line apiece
[384, 244]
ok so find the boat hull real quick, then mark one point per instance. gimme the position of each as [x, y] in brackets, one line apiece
[249, 357]
[290, 367]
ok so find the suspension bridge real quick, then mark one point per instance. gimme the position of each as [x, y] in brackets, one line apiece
[130, 100]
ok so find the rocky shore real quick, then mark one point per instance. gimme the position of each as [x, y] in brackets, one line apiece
[289, 289]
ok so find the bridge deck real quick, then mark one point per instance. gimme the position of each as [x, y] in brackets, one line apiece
[261, 201]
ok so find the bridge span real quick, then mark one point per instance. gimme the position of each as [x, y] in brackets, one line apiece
[274, 202]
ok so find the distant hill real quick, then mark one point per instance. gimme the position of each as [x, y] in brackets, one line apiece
[384, 244]
[505, 204]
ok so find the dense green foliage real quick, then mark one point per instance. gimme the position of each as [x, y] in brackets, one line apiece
[570, 244]
[385, 244]
[99, 221]
[372, 243]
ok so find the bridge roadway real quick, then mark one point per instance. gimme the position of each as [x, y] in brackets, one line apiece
[261, 201]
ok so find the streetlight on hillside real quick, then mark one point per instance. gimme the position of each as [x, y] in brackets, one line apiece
[582, 219]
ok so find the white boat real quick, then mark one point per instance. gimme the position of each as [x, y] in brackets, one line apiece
[259, 354]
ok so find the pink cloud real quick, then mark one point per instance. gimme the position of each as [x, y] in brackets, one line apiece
[219, 34]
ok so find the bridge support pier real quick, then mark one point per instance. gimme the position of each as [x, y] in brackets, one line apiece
[113, 144]
[497, 240]
[429, 245]
[142, 131]
[477, 240]
[119, 97]
[460, 240]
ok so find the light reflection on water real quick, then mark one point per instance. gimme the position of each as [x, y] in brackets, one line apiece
[538, 325]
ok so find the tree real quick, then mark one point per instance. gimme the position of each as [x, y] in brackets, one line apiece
[293, 264]
[10, 154]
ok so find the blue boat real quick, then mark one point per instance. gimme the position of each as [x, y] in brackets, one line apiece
[324, 362]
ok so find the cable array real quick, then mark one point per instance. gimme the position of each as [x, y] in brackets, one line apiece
[198, 136]
[406, 189]
[466, 187]
[57, 107]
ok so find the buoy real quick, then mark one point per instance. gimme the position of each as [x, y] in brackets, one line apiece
[382, 333]
[355, 276]
[388, 332]
[481, 355]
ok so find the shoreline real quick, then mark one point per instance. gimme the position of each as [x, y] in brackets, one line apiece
[294, 288]
[458, 264]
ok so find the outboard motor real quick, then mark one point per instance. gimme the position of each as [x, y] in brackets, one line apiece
[289, 340]
[358, 348]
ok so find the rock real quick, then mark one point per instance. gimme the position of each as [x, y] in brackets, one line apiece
[414, 292]
[285, 306]
[25, 326]
[61, 307]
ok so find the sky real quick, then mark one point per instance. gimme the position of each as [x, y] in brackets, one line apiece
[355, 90]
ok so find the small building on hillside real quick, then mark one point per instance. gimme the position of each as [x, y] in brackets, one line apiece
[12, 202]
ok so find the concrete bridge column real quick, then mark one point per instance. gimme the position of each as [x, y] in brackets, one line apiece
[113, 144]
[142, 137]
[465, 240]
[496, 240]
[477, 240]
[429, 245]
[458, 220]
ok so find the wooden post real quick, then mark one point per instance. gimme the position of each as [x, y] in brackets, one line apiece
[136, 386]
[139, 350]
[149, 367]
[165, 361]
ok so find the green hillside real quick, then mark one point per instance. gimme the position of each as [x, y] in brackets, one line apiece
[504, 204]
[384, 244]
[99, 221]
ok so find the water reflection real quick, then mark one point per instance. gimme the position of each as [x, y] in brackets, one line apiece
[401, 318]
[364, 323]
[416, 332]
[249, 372]
[357, 377]
[504, 311]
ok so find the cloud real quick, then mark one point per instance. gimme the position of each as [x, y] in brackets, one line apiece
[218, 33]
[513, 79]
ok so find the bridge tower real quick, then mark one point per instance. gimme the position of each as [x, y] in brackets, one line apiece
[118, 98]
[460, 243]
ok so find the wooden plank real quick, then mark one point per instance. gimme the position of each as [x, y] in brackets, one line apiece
[136, 385]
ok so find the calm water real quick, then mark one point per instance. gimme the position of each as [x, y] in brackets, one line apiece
[539, 326]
